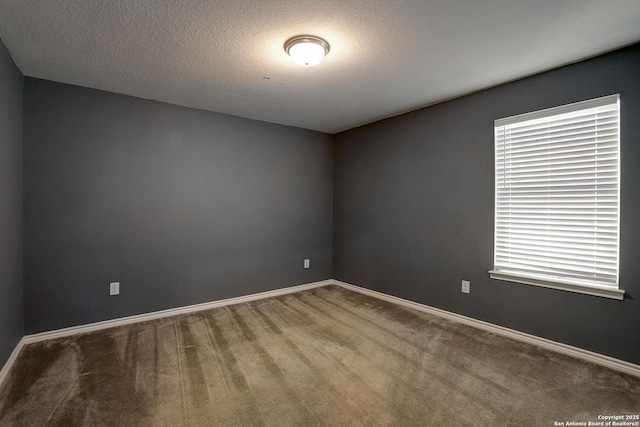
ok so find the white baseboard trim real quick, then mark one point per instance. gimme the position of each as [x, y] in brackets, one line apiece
[599, 359]
[589, 356]
[4, 372]
[107, 324]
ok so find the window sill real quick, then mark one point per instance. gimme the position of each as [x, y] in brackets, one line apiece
[600, 291]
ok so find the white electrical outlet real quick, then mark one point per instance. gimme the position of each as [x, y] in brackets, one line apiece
[114, 288]
[466, 286]
[306, 263]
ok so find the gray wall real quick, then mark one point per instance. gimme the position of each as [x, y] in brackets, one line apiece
[413, 208]
[11, 329]
[180, 205]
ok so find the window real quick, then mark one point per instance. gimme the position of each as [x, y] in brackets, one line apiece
[557, 198]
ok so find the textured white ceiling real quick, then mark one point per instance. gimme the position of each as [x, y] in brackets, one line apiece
[387, 57]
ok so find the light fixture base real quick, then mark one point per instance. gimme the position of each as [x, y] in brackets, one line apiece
[294, 47]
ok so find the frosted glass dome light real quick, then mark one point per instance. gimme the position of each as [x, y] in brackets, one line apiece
[306, 51]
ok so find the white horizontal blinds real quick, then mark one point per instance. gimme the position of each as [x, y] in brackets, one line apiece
[557, 193]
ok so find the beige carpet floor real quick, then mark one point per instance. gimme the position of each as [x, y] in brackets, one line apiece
[323, 357]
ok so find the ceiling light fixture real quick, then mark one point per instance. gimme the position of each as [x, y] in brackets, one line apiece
[306, 51]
